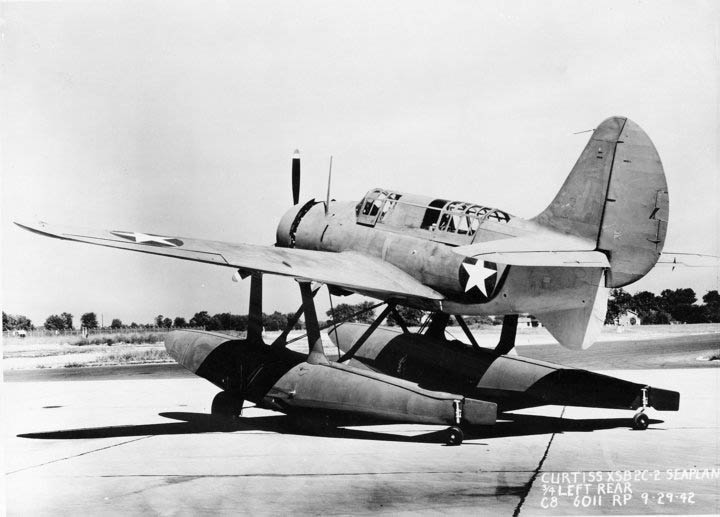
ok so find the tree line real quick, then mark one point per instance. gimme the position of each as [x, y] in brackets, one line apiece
[220, 321]
[62, 321]
[89, 320]
[671, 306]
[363, 313]
[228, 321]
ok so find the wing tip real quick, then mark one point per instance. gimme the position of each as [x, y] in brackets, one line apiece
[36, 227]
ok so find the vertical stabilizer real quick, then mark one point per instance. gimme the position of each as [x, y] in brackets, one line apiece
[578, 207]
[616, 197]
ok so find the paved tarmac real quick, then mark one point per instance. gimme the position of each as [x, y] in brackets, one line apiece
[145, 445]
[652, 353]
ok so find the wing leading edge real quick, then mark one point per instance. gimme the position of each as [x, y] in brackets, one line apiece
[350, 270]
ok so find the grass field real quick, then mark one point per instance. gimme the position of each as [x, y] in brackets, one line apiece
[71, 351]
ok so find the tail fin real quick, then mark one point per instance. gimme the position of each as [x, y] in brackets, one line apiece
[616, 196]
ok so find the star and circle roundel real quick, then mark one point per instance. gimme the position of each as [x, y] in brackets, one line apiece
[149, 239]
[481, 280]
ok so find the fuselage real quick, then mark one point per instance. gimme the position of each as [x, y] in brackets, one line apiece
[420, 235]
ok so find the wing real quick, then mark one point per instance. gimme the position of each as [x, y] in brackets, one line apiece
[350, 270]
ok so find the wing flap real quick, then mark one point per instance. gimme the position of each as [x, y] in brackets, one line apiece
[350, 270]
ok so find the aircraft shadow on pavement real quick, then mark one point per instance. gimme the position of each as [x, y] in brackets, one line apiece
[197, 423]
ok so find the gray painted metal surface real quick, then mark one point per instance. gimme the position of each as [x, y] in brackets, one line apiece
[250, 371]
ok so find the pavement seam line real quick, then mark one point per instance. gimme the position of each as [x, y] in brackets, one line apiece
[78, 455]
[530, 483]
[306, 474]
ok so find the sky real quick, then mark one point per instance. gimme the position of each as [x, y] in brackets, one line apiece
[181, 118]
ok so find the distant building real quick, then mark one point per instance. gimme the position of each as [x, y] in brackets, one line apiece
[528, 321]
[628, 319]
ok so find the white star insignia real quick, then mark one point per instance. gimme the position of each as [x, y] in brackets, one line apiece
[477, 274]
[142, 238]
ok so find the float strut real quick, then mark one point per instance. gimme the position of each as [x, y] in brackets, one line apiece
[465, 328]
[281, 340]
[507, 334]
[399, 319]
[375, 324]
[437, 326]
[255, 326]
[316, 353]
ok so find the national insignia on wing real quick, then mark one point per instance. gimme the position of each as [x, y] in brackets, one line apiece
[149, 239]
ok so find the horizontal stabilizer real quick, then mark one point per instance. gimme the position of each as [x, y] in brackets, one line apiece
[548, 258]
[673, 259]
[546, 249]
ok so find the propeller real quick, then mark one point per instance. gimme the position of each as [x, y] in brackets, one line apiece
[296, 177]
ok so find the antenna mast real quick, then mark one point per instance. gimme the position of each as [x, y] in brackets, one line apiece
[327, 199]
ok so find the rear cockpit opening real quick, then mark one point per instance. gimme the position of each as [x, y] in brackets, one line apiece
[464, 219]
[458, 217]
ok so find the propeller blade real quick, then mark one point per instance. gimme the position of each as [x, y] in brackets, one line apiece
[296, 177]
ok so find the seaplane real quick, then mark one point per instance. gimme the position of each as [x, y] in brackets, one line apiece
[604, 229]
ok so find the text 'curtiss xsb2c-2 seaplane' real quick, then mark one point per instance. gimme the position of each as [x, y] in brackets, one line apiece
[604, 229]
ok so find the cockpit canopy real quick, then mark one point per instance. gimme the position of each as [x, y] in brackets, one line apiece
[375, 206]
[396, 209]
